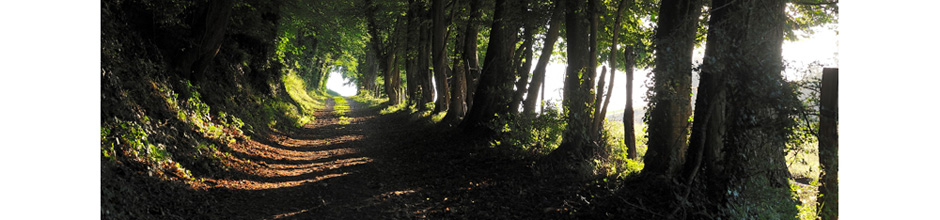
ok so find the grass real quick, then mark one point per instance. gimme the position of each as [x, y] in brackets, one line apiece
[618, 163]
[803, 163]
[369, 100]
[308, 101]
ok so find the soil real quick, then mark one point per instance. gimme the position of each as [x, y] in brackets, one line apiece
[393, 166]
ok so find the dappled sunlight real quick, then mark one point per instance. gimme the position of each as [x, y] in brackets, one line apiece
[259, 185]
[293, 170]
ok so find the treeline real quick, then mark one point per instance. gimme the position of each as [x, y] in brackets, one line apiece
[471, 60]
[728, 159]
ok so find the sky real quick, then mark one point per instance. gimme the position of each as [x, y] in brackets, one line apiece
[338, 84]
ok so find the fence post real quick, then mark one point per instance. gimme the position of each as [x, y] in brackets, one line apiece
[829, 145]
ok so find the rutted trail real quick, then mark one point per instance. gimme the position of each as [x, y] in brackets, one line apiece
[363, 165]
[324, 170]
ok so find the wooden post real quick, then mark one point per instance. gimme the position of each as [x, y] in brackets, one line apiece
[829, 145]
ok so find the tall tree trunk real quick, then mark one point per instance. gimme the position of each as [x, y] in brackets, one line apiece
[411, 52]
[829, 145]
[458, 89]
[598, 97]
[425, 86]
[496, 80]
[392, 79]
[577, 144]
[612, 62]
[385, 52]
[538, 75]
[629, 131]
[469, 54]
[439, 51]
[524, 67]
[671, 107]
[743, 107]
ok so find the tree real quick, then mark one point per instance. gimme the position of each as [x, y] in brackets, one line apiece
[496, 80]
[458, 87]
[601, 112]
[524, 63]
[577, 144]
[384, 44]
[670, 111]
[439, 51]
[743, 107]
[629, 138]
[469, 54]
[538, 75]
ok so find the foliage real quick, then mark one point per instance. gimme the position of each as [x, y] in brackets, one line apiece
[803, 15]
[368, 99]
[535, 135]
[617, 162]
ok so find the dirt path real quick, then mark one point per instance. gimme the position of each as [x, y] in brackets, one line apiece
[382, 167]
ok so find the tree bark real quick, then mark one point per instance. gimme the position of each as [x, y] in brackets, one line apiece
[469, 54]
[439, 51]
[743, 107]
[425, 87]
[577, 145]
[411, 48]
[386, 54]
[829, 145]
[524, 67]
[629, 132]
[599, 97]
[496, 80]
[458, 96]
[602, 113]
[671, 106]
[538, 75]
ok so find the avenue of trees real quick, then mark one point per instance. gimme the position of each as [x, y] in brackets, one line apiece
[481, 61]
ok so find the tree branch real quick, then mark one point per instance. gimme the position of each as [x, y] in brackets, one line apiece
[814, 3]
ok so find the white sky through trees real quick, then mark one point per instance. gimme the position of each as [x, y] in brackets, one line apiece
[821, 46]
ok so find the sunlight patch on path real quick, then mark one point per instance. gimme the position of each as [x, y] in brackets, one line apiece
[256, 185]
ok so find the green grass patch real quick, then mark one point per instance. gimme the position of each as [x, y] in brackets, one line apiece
[340, 107]
[392, 109]
[369, 100]
[618, 163]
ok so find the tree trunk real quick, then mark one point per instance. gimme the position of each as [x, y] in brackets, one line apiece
[458, 96]
[577, 144]
[524, 67]
[469, 54]
[411, 70]
[392, 79]
[743, 108]
[602, 113]
[599, 97]
[425, 87]
[496, 80]
[671, 106]
[439, 51]
[385, 52]
[829, 145]
[629, 132]
[538, 75]
[208, 31]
